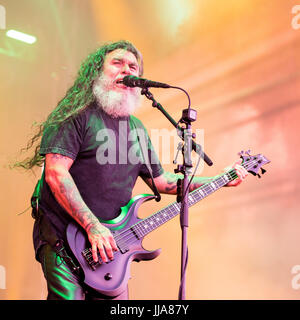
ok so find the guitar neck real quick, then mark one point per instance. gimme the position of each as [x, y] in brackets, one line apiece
[154, 221]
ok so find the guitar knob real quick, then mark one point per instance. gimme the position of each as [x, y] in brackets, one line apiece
[108, 276]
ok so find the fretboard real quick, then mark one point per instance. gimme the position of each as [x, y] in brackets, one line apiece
[154, 221]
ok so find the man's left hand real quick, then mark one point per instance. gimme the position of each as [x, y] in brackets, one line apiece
[240, 171]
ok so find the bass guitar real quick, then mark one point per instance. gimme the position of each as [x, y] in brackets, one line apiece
[128, 229]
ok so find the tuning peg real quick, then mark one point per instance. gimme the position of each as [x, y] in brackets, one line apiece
[248, 152]
[258, 175]
[241, 153]
[263, 170]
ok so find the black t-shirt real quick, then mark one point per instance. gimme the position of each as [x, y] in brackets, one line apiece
[107, 161]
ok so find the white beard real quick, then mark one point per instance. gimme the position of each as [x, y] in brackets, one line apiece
[115, 103]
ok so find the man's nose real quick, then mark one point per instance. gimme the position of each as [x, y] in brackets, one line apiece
[126, 69]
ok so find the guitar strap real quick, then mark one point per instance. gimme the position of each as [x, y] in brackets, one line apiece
[142, 147]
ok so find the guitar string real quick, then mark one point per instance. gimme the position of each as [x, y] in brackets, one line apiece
[140, 229]
[132, 238]
[127, 232]
[121, 237]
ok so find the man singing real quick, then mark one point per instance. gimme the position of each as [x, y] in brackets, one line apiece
[75, 185]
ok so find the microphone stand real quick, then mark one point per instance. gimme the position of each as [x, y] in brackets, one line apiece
[188, 116]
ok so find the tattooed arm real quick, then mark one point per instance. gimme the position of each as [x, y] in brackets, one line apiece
[167, 182]
[67, 195]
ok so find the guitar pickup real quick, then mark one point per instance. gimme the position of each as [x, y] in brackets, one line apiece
[120, 242]
[122, 247]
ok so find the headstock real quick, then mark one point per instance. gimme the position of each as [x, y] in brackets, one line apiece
[253, 163]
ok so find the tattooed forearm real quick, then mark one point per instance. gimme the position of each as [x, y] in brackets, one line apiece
[170, 186]
[168, 183]
[66, 193]
[171, 182]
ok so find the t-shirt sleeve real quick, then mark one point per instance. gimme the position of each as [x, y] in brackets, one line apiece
[64, 139]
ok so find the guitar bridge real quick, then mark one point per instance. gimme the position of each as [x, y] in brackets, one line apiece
[88, 256]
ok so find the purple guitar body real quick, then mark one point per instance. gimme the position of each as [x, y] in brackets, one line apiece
[111, 278]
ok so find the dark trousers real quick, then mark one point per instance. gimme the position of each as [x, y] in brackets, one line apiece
[63, 284]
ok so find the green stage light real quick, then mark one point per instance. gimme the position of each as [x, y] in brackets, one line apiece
[21, 36]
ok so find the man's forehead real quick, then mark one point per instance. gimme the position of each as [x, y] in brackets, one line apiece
[121, 54]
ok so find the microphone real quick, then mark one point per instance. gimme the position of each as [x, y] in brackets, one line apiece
[132, 81]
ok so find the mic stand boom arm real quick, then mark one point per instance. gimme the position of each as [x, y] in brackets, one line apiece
[195, 146]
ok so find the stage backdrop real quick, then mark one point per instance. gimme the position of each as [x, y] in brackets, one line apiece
[239, 62]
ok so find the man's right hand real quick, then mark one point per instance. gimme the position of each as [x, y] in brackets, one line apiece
[103, 241]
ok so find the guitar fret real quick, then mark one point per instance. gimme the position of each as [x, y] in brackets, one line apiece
[205, 190]
[157, 219]
[138, 231]
[142, 231]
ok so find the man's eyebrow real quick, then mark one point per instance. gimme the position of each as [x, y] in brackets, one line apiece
[119, 59]
[122, 59]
